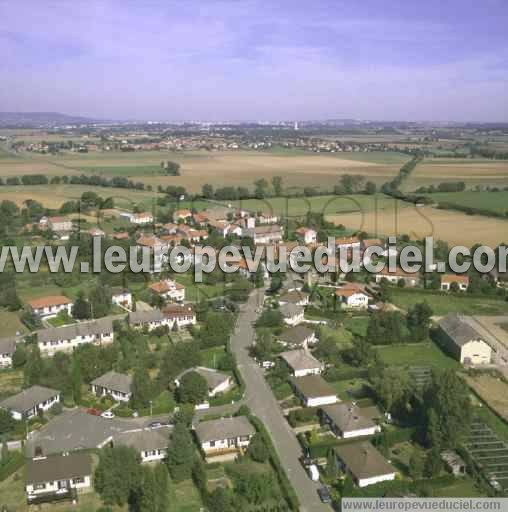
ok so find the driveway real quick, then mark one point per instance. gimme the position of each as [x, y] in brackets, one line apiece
[260, 399]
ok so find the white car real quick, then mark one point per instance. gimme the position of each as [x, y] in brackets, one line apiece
[108, 415]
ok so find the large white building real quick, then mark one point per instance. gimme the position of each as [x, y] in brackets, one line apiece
[67, 338]
[29, 402]
[57, 477]
[50, 306]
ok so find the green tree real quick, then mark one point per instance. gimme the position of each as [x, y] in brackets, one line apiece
[193, 388]
[260, 188]
[180, 453]
[34, 366]
[257, 450]
[219, 501]
[418, 321]
[207, 191]
[81, 308]
[162, 483]
[277, 186]
[416, 463]
[147, 501]
[332, 466]
[118, 476]
[433, 463]
[142, 388]
[7, 422]
[19, 357]
[77, 380]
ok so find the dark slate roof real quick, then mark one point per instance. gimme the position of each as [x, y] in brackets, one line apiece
[97, 327]
[363, 460]
[114, 381]
[28, 398]
[7, 345]
[144, 439]
[458, 329]
[138, 317]
[224, 428]
[77, 465]
[313, 386]
[295, 335]
[348, 416]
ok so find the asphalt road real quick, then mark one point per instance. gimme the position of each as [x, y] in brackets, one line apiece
[260, 399]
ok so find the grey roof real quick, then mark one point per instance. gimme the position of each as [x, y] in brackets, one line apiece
[313, 386]
[291, 310]
[295, 335]
[140, 317]
[363, 460]
[225, 428]
[348, 416]
[300, 360]
[77, 465]
[28, 399]
[144, 439]
[294, 296]
[270, 228]
[213, 377]
[97, 327]
[459, 329]
[77, 430]
[114, 381]
[7, 345]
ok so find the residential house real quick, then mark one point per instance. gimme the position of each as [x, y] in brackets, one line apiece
[364, 463]
[297, 336]
[313, 390]
[182, 214]
[58, 224]
[169, 290]
[96, 232]
[306, 235]
[28, 403]
[7, 349]
[180, 314]
[461, 281]
[150, 443]
[57, 477]
[150, 319]
[268, 234]
[141, 218]
[116, 385]
[267, 218]
[217, 437]
[217, 382]
[67, 338]
[292, 314]
[410, 279]
[460, 338]
[353, 296]
[50, 306]
[301, 362]
[347, 420]
[296, 297]
[121, 297]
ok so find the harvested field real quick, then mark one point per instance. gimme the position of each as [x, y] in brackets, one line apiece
[471, 171]
[454, 227]
[53, 196]
[491, 390]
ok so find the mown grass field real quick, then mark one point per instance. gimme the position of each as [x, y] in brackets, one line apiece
[415, 354]
[443, 303]
[493, 201]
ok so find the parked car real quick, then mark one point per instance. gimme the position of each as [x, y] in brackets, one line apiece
[324, 494]
[109, 415]
[313, 472]
[94, 412]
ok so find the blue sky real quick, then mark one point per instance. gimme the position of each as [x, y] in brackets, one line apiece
[261, 60]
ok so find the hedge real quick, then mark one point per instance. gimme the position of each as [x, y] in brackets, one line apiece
[285, 485]
[305, 415]
[336, 374]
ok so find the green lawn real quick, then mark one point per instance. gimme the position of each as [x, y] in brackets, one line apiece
[124, 170]
[11, 382]
[357, 325]
[186, 498]
[351, 389]
[11, 324]
[444, 303]
[210, 357]
[341, 335]
[416, 354]
[493, 201]
[461, 488]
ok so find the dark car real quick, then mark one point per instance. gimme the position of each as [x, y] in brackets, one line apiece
[324, 494]
[157, 424]
[306, 461]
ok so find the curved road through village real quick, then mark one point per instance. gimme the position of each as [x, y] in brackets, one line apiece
[260, 399]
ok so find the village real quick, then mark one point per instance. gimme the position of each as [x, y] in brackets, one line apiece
[319, 384]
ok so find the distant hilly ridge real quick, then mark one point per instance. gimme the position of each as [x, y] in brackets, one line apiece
[41, 119]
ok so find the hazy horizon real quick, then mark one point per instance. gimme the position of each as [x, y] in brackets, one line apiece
[250, 60]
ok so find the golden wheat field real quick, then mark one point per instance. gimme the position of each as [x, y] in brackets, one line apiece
[454, 227]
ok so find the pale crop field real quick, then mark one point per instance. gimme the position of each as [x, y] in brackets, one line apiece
[454, 227]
